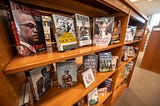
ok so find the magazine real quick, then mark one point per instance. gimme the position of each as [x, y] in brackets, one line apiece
[40, 80]
[83, 30]
[64, 32]
[27, 29]
[66, 74]
[102, 31]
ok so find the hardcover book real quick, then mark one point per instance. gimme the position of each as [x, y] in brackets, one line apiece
[106, 84]
[92, 97]
[102, 31]
[105, 62]
[90, 61]
[83, 30]
[116, 32]
[27, 29]
[114, 62]
[40, 80]
[139, 34]
[66, 74]
[64, 32]
[130, 33]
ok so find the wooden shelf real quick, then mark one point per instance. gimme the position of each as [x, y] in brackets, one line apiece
[119, 80]
[58, 97]
[135, 41]
[102, 99]
[117, 92]
[125, 63]
[19, 64]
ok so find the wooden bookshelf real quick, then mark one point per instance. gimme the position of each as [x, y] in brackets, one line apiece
[55, 96]
[135, 41]
[102, 99]
[117, 92]
[19, 64]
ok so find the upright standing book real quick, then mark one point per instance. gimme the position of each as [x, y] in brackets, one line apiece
[40, 79]
[116, 32]
[27, 29]
[66, 73]
[102, 31]
[64, 32]
[92, 97]
[83, 30]
[105, 62]
[90, 61]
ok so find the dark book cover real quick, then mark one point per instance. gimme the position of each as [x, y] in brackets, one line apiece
[105, 62]
[90, 61]
[66, 73]
[102, 31]
[27, 28]
[40, 79]
[64, 32]
[83, 30]
[106, 84]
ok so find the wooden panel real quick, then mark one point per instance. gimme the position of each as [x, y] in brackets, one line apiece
[137, 17]
[144, 40]
[135, 41]
[58, 97]
[151, 57]
[18, 64]
[116, 4]
[68, 6]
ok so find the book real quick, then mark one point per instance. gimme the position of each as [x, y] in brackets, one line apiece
[116, 31]
[64, 32]
[105, 62]
[83, 30]
[90, 61]
[93, 97]
[114, 62]
[66, 73]
[139, 34]
[88, 77]
[107, 84]
[102, 31]
[27, 29]
[40, 80]
[130, 33]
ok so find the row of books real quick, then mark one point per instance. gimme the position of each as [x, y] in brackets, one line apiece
[92, 97]
[66, 72]
[29, 29]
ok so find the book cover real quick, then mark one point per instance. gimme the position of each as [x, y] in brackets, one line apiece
[88, 77]
[102, 31]
[139, 34]
[92, 97]
[114, 62]
[130, 33]
[106, 84]
[116, 31]
[83, 30]
[27, 28]
[90, 61]
[40, 80]
[64, 32]
[66, 74]
[105, 62]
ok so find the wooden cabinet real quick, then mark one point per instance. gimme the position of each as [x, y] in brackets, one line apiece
[13, 66]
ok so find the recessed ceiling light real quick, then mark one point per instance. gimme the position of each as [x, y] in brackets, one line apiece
[133, 0]
[149, 0]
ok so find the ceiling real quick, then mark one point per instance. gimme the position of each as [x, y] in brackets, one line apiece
[148, 7]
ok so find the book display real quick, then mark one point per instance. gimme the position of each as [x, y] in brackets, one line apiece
[92, 30]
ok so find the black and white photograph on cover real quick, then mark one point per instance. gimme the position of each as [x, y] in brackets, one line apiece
[41, 79]
[63, 24]
[83, 29]
[103, 29]
[66, 74]
[88, 77]
[29, 29]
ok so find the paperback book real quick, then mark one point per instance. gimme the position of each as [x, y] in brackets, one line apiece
[116, 32]
[93, 97]
[83, 30]
[64, 32]
[40, 80]
[90, 61]
[105, 62]
[27, 29]
[102, 31]
[130, 33]
[66, 73]
[107, 84]
[114, 62]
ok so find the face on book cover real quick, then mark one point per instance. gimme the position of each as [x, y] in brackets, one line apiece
[28, 28]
